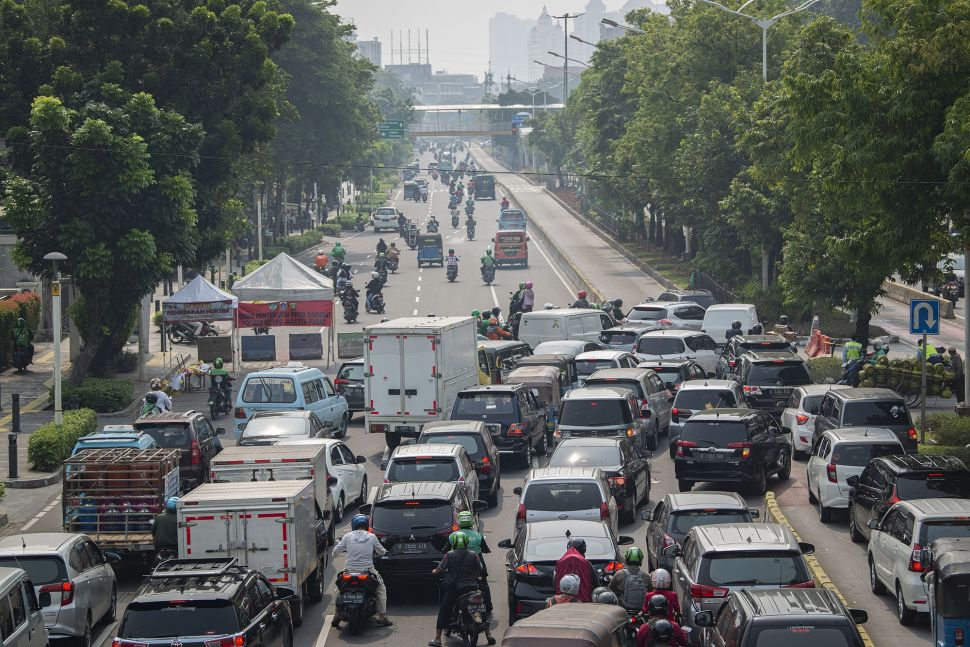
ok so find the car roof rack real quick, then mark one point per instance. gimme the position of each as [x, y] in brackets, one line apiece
[206, 567]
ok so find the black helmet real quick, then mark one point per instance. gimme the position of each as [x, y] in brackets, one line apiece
[151, 398]
[663, 630]
[657, 606]
[606, 597]
[618, 303]
[579, 544]
[736, 325]
[783, 320]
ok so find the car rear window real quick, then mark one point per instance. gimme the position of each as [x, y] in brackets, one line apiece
[697, 399]
[276, 425]
[933, 485]
[191, 617]
[634, 385]
[859, 454]
[551, 549]
[779, 371]
[803, 635]
[405, 516]
[948, 528]
[809, 402]
[40, 570]
[480, 404]
[351, 372]
[586, 456]
[275, 390]
[763, 346]
[562, 497]
[618, 337]
[590, 366]
[406, 470]
[595, 413]
[670, 374]
[646, 313]
[660, 346]
[714, 432]
[473, 444]
[681, 522]
[762, 568]
[169, 436]
[874, 414]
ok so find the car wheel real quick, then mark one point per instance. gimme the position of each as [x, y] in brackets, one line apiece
[342, 429]
[672, 449]
[824, 514]
[362, 499]
[785, 473]
[543, 446]
[854, 533]
[875, 585]
[812, 499]
[84, 640]
[112, 613]
[287, 638]
[684, 486]
[906, 616]
[630, 508]
[338, 510]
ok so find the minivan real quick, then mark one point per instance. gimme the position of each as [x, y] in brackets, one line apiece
[719, 317]
[445, 463]
[23, 620]
[869, 407]
[291, 388]
[385, 218]
[567, 323]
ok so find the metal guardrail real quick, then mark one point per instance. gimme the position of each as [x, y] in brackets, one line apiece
[701, 281]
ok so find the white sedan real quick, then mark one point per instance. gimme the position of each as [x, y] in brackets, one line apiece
[348, 469]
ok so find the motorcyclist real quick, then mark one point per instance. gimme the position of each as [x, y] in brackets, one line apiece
[581, 301]
[151, 405]
[321, 261]
[360, 546]
[879, 350]
[495, 331]
[658, 612]
[574, 561]
[606, 597]
[374, 287]
[433, 224]
[22, 338]
[515, 301]
[661, 583]
[393, 253]
[505, 203]
[487, 261]
[451, 260]
[453, 202]
[165, 532]
[219, 378]
[528, 298]
[568, 591]
[734, 330]
[662, 633]
[381, 247]
[423, 192]
[476, 544]
[497, 313]
[338, 252]
[402, 223]
[344, 271]
[616, 309]
[470, 203]
[161, 398]
[462, 571]
[381, 264]
[631, 583]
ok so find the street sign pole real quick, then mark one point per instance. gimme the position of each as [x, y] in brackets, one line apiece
[922, 388]
[924, 319]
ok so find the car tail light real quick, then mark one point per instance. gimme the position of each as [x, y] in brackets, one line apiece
[340, 381]
[120, 642]
[915, 565]
[630, 432]
[801, 585]
[515, 429]
[520, 513]
[801, 419]
[958, 636]
[65, 588]
[613, 567]
[526, 569]
[745, 448]
[752, 390]
[380, 429]
[704, 591]
[911, 432]
[196, 453]
[240, 413]
[604, 511]
[239, 640]
[894, 498]
[684, 443]
[830, 473]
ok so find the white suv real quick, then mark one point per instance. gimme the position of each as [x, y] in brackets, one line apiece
[679, 344]
[839, 454]
[552, 493]
[683, 315]
[897, 541]
[798, 419]
[385, 218]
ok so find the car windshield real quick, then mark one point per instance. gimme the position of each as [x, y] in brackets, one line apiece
[576, 455]
[618, 337]
[40, 570]
[551, 549]
[590, 366]
[634, 385]
[169, 436]
[681, 522]
[859, 454]
[593, 413]
[948, 528]
[716, 433]
[772, 568]
[562, 496]
[660, 346]
[179, 618]
[405, 516]
[779, 372]
[277, 390]
[471, 442]
[353, 372]
[697, 399]
[874, 414]
[407, 470]
[484, 403]
[646, 313]
[933, 485]
[803, 635]
[276, 426]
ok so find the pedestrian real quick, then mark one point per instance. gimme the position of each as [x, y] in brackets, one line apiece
[959, 379]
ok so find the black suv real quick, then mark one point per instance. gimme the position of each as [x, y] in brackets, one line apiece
[769, 617]
[206, 602]
[742, 344]
[513, 415]
[888, 479]
[413, 522]
[190, 433]
[732, 446]
[768, 379]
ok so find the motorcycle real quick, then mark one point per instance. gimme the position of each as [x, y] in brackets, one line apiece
[219, 402]
[470, 210]
[850, 372]
[392, 263]
[432, 227]
[356, 599]
[383, 276]
[424, 196]
[470, 229]
[469, 617]
[488, 274]
[359, 224]
[452, 273]
[454, 219]
[22, 357]
[185, 333]
[349, 301]
[375, 304]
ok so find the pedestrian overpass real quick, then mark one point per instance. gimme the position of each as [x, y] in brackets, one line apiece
[470, 120]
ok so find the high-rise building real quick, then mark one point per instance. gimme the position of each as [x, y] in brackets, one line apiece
[545, 37]
[608, 33]
[587, 27]
[371, 50]
[508, 46]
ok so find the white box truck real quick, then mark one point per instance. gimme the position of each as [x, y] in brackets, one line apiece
[305, 461]
[414, 368]
[271, 527]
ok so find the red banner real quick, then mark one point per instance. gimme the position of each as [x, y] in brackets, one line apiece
[307, 314]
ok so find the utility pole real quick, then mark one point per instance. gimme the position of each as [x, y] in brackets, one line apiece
[565, 62]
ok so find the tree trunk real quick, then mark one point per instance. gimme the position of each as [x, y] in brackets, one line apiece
[863, 317]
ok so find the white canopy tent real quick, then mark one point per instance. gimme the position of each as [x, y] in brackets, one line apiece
[196, 292]
[284, 279]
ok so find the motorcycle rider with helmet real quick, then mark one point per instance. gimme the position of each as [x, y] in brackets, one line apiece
[568, 591]
[495, 331]
[663, 633]
[219, 378]
[381, 247]
[338, 252]
[581, 301]
[360, 545]
[661, 583]
[631, 583]
[381, 263]
[165, 532]
[658, 612]
[462, 571]
[615, 310]
[476, 544]
[574, 561]
[451, 261]
[161, 398]
[505, 203]
[487, 261]
[528, 298]
[735, 330]
[374, 287]
[606, 597]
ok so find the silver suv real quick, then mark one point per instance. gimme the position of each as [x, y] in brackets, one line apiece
[73, 580]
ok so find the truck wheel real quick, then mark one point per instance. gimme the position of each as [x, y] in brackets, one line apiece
[315, 583]
[296, 608]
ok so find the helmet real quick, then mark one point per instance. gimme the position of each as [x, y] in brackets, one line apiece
[660, 579]
[488, 252]
[548, 306]
[569, 584]
[171, 502]
[21, 321]
[359, 521]
[606, 597]
[476, 313]
[155, 384]
[633, 555]
[581, 294]
[885, 347]
[657, 606]
[458, 540]
[394, 245]
[598, 590]
[783, 320]
[451, 251]
[663, 630]
[579, 544]
[151, 398]
[496, 311]
[217, 362]
[736, 325]
[374, 275]
[528, 285]
[465, 519]
[521, 286]
[493, 321]
[381, 255]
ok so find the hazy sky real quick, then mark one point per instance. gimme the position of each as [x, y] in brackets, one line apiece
[458, 29]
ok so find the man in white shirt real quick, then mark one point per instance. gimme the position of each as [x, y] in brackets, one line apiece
[360, 546]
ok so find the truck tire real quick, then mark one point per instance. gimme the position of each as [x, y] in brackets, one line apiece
[296, 608]
[314, 583]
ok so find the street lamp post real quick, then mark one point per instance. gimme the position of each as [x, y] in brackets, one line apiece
[565, 33]
[619, 25]
[54, 257]
[566, 58]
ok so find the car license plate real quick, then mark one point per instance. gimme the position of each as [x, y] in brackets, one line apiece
[352, 598]
[404, 430]
[417, 547]
[494, 429]
[708, 457]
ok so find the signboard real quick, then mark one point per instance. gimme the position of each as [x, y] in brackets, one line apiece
[306, 346]
[309, 314]
[215, 311]
[350, 345]
[924, 317]
[391, 129]
[520, 118]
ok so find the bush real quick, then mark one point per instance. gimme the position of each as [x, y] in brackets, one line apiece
[961, 452]
[330, 229]
[252, 266]
[51, 444]
[825, 367]
[102, 395]
[346, 223]
[126, 362]
[300, 242]
[26, 305]
[157, 320]
[948, 428]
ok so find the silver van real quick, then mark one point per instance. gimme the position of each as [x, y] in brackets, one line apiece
[566, 323]
[21, 621]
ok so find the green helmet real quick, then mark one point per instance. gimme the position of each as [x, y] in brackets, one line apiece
[488, 252]
[521, 286]
[477, 313]
[465, 519]
[458, 540]
[633, 556]
[218, 362]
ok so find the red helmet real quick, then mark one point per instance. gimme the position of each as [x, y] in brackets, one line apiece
[581, 294]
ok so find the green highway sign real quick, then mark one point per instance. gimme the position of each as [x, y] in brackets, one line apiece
[391, 129]
[392, 124]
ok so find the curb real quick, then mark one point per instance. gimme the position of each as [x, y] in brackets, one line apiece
[821, 578]
[32, 484]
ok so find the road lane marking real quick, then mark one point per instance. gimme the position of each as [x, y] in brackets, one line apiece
[419, 288]
[322, 638]
[415, 313]
[494, 296]
[40, 515]
[417, 299]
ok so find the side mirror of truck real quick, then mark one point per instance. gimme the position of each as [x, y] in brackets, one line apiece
[361, 460]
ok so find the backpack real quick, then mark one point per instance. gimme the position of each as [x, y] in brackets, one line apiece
[635, 588]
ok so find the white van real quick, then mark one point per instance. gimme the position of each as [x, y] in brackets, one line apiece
[718, 319]
[568, 323]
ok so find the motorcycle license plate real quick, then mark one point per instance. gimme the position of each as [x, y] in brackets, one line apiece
[415, 547]
[404, 430]
[352, 598]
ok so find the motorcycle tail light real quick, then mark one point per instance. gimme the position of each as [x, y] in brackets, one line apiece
[613, 567]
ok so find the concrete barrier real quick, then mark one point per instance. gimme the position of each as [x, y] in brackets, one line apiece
[905, 294]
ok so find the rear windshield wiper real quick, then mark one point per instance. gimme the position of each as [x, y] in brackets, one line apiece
[424, 527]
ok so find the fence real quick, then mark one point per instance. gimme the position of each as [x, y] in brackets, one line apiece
[701, 281]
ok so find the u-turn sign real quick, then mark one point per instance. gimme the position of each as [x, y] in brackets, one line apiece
[924, 317]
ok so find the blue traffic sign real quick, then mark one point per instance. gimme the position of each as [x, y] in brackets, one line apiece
[519, 118]
[924, 317]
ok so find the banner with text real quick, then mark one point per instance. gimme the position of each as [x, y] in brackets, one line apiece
[214, 311]
[309, 314]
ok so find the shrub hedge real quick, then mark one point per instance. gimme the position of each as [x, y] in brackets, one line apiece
[961, 452]
[825, 367]
[26, 305]
[51, 444]
[329, 229]
[947, 428]
[126, 362]
[252, 266]
[101, 394]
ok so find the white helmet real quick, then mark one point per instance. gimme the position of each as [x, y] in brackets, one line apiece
[374, 275]
[569, 584]
[660, 579]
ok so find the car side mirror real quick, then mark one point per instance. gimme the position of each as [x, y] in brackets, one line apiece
[365, 509]
[755, 513]
[647, 515]
[285, 593]
[505, 543]
[703, 619]
[806, 548]
[872, 524]
[479, 506]
[624, 540]
[112, 558]
[517, 491]
[852, 481]
[220, 431]
[673, 551]
[361, 460]
[859, 616]
[44, 599]
[331, 481]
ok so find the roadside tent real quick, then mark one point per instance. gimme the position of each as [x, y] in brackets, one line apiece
[199, 300]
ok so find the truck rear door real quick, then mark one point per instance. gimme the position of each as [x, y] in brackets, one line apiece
[384, 375]
[257, 538]
[420, 375]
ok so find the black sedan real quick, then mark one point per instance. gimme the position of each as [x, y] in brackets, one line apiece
[626, 468]
[350, 384]
[530, 563]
